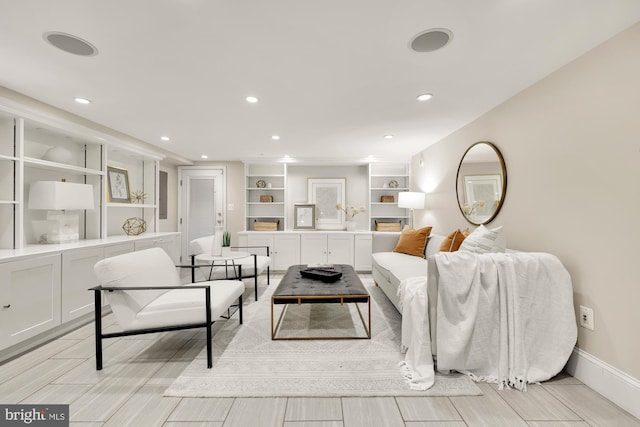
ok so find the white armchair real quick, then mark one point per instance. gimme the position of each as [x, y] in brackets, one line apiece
[251, 266]
[145, 294]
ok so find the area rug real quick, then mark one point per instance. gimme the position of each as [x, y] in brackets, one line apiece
[247, 363]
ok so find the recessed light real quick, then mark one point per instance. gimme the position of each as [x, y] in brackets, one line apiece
[165, 138]
[251, 99]
[424, 97]
[82, 100]
[204, 156]
[275, 137]
[388, 136]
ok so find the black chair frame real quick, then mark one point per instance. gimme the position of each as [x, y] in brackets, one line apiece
[193, 266]
[208, 323]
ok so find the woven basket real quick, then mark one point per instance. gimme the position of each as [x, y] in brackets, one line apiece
[387, 199]
[387, 226]
[266, 225]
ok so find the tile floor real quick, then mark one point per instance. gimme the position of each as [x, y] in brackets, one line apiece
[129, 391]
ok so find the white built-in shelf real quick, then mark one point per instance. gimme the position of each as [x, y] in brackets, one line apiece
[265, 203]
[8, 202]
[264, 189]
[45, 164]
[131, 205]
[390, 189]
[3, 157]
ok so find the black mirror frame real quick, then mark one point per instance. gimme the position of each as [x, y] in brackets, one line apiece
[504, 182]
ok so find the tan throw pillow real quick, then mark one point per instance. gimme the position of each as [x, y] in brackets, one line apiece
[413, 242]
[454, 240]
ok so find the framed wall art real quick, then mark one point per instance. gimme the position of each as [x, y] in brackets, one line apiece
[118, 189]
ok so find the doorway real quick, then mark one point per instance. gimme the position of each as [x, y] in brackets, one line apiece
[202, 200]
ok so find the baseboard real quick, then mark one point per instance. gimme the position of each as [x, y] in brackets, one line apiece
[615, 385]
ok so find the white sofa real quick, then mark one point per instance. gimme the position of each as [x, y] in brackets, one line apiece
[390, 268]
[498, 315]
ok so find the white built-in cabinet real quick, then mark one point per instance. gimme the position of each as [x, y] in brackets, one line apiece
[44, 287]
[30, 294]
[309, 247]
[322, 248]
[284, 248]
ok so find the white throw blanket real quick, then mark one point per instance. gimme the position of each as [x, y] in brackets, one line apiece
[505, 318]
[417, 366]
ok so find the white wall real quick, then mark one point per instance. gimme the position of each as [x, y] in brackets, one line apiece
[571, 144]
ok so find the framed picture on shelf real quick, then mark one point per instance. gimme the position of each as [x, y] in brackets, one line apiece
[118, 185]
[304, 216]
[327, 194]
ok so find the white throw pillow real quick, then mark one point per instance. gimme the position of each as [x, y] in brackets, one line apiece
[482, 240]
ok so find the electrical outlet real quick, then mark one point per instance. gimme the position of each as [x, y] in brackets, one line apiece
[586, 317]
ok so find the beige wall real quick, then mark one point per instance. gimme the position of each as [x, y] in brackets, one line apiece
[571, 144]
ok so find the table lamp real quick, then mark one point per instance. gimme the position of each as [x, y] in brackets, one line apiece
[411, 200]
[58, 198]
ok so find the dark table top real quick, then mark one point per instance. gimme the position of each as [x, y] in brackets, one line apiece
[294, 285]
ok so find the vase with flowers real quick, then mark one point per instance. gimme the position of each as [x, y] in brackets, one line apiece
[350, 213]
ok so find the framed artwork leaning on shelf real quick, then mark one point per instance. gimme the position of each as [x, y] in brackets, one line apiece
[304, 216]
[118, 185]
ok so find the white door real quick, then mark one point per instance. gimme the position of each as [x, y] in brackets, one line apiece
[202, 201]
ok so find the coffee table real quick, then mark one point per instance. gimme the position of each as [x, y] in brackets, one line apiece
[295, 289]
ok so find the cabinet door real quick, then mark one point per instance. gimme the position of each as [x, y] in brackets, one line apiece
[29, 298]
[286, 251]
[340, 248]
[119, 249]
[77, 278]
[313, 249]
[362, 252]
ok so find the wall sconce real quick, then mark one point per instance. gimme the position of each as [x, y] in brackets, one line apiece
[411, 200]
[58, 198]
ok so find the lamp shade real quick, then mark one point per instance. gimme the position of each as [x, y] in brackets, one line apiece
[411, 200]
[58, 195]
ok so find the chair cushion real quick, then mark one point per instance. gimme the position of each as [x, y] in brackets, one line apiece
[149, 267]
[201, 245]
[184, 306]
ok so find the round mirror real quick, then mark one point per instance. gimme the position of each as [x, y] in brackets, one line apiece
[481, 183]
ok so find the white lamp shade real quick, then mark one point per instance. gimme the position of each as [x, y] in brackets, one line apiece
[58, 195]
[411, 200]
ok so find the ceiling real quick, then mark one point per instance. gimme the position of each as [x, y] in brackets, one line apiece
[332, 77]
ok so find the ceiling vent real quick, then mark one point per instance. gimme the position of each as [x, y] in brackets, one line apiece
[431, 40]
[71, 44]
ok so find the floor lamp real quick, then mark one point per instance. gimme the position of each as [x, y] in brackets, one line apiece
[411, 200]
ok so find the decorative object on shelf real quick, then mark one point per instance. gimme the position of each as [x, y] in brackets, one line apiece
[118, 185]
[216, 247]
[268, 185]
[58, 155]
[350, 213]
[385, 185]
[411, 200]
[387, 199]
[226, 243]
[393, 184]
[266, 225]
[138, 196]
[304, 216]
[261, 183]
[58, 198]
[134, 226]
[266, 198]
[388, 226]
